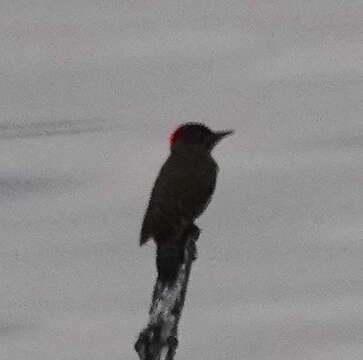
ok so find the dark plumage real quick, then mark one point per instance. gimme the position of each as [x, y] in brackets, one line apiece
[182, 191]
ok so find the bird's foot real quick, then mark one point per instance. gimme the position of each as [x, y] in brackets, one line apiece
[194, 231]
[190, 236]
[193, 250]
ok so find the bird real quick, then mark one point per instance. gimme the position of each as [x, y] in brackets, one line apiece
[182, 191]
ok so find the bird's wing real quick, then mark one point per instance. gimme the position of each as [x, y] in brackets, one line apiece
[180, 194]
[186, 188]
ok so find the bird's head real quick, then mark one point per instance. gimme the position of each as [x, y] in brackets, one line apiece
[196, 136]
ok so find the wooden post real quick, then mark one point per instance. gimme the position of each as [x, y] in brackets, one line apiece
[159, 340]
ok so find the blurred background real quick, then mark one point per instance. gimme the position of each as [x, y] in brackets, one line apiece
[89, 94]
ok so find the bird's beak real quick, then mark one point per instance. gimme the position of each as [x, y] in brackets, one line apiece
[219, 135]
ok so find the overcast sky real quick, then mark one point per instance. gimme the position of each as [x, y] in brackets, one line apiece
[89, 94]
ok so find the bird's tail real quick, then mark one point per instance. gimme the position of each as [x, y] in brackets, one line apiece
[169, 258]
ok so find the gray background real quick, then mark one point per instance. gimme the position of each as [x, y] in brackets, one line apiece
[89, 93]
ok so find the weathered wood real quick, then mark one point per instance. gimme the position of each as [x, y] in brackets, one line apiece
[159, 340]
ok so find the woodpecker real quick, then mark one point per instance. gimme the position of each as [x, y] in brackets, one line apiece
[181, 193]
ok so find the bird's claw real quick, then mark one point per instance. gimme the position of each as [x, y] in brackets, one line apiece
[194, 232]
[193, 250]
